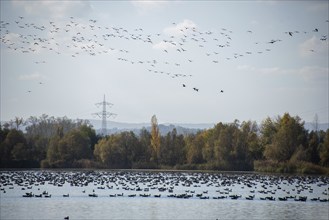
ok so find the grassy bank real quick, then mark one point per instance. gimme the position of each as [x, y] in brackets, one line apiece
[300, 167]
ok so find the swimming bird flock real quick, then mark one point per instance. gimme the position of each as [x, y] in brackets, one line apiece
[75, 38]
[179, 185]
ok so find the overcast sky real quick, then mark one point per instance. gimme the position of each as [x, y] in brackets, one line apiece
[171, 59]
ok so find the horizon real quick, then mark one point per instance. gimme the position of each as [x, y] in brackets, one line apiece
[119, 125]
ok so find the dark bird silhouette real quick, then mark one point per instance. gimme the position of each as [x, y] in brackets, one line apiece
[67, 217]
[184, 85]
[316, 30]
[195, 89]
[222, 91]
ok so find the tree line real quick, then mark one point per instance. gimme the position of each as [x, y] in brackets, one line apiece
[278, 144]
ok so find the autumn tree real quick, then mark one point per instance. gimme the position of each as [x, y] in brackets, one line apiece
[194, 144]
[224, 146]
[118, 150]
[63, 151]
[208, 149]
[155, 140]
[107, 151]
[268, 129]
[289, 136]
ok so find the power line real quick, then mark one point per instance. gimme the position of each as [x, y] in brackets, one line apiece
[104, 114]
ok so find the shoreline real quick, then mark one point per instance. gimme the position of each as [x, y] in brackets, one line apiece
[158, 170]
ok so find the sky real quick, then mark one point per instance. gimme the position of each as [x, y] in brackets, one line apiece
[183, 61]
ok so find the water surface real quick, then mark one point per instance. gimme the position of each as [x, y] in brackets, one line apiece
[180, 195]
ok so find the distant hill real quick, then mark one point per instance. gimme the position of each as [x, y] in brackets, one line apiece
[117, 127]
[182, 128]
[321, 126]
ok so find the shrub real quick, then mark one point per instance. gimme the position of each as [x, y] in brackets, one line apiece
[44, 164]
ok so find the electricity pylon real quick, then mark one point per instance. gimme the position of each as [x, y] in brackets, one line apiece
[104, 114]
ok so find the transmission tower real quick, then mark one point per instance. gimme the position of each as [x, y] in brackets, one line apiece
[104, 114]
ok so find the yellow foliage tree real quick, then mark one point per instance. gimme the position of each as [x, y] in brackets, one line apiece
[155, 139]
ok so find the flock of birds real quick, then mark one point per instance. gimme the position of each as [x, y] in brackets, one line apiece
[76, 38]
[179, 185]
[166, 184]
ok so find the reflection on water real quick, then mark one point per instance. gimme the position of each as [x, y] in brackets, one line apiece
[133, 195]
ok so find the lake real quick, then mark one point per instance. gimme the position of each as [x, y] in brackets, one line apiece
[105, 194]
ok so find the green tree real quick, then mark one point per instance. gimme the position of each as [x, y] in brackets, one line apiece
[54, 157]
[89, 132]
[13, 138]
[246, 145]
[172, 148]
[145, 146]
[313, 146]
[268, 129]
[3, 134]
[289, 137]
[224, 147]
[100, 150]
[21, 152]
[108, 152]
[324, 150]
[194, 144]
[255, 148]
[129, 146]
[73, 146]
[179, 149]
[39, 145]
[208, 149]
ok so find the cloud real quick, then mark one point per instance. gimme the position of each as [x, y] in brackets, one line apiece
[245, 68]
[313, 46]
[33, 76]
[11, 38]
[163, 45]
[318, 6]
[314, 74]
[54, 9]
[309, 74]
[145, 6]
[254, 22]
[269, 70]
[180, 28]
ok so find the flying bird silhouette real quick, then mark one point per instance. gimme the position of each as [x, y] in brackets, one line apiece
[93, 39]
